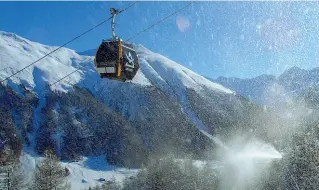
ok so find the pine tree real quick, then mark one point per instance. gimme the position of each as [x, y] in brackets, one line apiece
[5, 168]
[207, 177]
[11, 174]
[303, 172]
[49, 173]
[17, 178]
[108, 185]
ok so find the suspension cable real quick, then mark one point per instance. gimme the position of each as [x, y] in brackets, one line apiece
[137, 34]
[158, 22]
[75, 38]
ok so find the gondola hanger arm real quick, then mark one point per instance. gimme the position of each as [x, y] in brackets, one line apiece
[114, 12]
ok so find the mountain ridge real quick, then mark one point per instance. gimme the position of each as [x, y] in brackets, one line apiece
[291, 83]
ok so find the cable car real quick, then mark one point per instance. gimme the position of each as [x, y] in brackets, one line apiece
[115, 59]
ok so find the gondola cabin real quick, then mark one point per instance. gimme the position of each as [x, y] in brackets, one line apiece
[116, 60]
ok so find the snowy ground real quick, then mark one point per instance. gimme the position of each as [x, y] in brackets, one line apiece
[89, 169]
[85, 173]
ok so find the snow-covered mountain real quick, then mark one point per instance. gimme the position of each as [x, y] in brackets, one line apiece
[17, 52]
[296, 80]
[269, 90]
[252, 89]
[161, 111]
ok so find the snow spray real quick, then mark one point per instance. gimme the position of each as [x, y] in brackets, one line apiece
[216, 140]
[243, 162]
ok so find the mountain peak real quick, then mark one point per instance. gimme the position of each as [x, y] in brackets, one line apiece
[12, 36]
[293, 71]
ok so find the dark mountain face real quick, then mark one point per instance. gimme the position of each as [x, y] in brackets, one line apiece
[15, 118]
[76, 123]
[226, 116]
[159, 120]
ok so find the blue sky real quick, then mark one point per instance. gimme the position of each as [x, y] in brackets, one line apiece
[240, 39]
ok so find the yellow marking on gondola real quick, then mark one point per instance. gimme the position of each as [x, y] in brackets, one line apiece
[119, 65]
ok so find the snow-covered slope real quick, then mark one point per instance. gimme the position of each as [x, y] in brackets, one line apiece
[17, 52]
[156, 71]
[83, 174]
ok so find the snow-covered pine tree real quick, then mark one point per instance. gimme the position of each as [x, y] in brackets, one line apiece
[11, 174]
[303, 171]
[5, 168]
[17, 178]
[108, 185]
[50, 174]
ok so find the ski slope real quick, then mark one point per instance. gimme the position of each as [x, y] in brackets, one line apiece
[83, 174]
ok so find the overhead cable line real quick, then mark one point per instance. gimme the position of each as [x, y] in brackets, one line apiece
[75, 38]
[137, 34]
[158, 22]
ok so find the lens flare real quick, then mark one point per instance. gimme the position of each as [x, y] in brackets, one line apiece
[182, 23]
